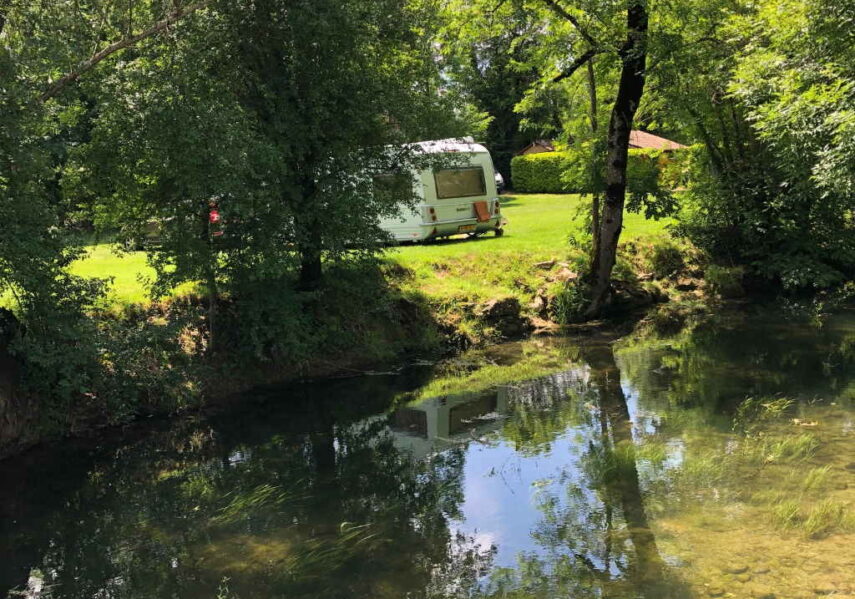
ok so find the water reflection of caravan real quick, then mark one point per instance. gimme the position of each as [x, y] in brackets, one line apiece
[449, 201]
[439, 422]
[435, 424]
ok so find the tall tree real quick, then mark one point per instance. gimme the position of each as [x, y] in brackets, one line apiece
[282, 113]
[494, 67]
[633, 56]
[567, 39]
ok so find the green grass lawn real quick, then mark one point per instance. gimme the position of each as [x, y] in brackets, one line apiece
[536, 223]
[128, 270]
[539, 226]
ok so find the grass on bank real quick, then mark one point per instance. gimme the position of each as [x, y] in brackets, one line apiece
[456, 269]
[539, 229]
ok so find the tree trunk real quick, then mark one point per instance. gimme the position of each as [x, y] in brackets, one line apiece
[309, 235]
[631, 87]
[595, 197]
[310, 261]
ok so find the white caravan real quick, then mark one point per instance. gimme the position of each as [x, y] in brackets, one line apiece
[451, 201]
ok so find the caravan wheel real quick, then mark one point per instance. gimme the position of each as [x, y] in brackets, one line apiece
[499, 231]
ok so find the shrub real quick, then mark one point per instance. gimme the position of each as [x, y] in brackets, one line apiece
[569, 302]
[542, 173]
[725, 281]
[565, 172]
[665, 260]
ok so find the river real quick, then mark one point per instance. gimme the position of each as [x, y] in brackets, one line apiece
[718, 461]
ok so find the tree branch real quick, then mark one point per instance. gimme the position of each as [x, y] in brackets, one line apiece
[93, 60]
[580, 61]
[562, 12]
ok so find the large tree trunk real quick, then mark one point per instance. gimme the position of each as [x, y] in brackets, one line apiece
[310, 261]
[595, 197]
[631, 87]
[310, 237]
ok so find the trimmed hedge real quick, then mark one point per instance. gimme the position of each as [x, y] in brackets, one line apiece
[560, 172]
[541, 172]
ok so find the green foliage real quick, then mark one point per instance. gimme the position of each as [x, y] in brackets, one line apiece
[666, 259]
[646, 183]
[569, 301]
[282, 137]
[572, 171]
[542, 172]
[495, 74]
[775, 195]
[725, 281]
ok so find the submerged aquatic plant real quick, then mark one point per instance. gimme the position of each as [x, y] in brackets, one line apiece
[787, 513]
[788, 449]
[755, 412]
[816, 478]
[826, 517]
[250, 503]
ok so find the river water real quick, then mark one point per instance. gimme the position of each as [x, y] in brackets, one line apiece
[715, 462]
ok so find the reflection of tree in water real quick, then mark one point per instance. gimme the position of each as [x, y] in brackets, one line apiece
[597, 541]
[717, 363]
[326, 506]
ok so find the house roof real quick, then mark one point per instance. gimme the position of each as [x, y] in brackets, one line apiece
[542, 143]
[643, 139]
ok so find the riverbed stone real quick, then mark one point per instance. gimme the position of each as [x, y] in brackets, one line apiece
[715, 591]
[736, 569]
[744, 577]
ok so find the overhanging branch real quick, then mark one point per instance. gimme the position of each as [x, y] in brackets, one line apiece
[576, 64]
[93, 60]
[562, 12]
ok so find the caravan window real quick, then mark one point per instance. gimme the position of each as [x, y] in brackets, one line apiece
[460, 182]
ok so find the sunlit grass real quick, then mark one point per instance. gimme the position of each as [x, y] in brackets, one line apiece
[539, 228]
[128, 270]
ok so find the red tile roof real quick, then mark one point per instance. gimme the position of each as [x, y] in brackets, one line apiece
[643, 139]
[538, 145]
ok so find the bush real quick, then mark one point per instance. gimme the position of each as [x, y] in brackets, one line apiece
[542, 173]
[564, 172]
[724, 281]
[569, 301]
[666, 260]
